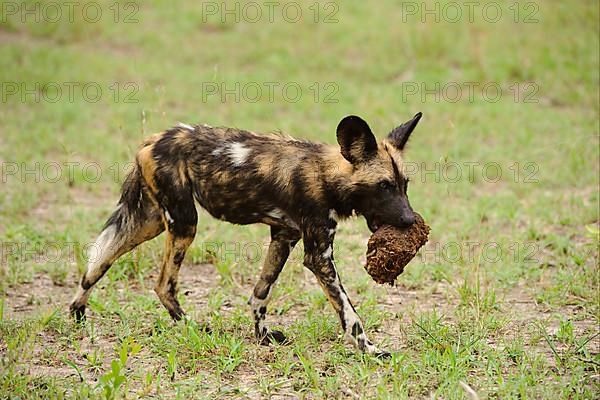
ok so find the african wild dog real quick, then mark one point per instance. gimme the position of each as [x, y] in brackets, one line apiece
[297, 187]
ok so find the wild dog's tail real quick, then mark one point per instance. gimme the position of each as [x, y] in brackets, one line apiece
[133, 204]
[135, 220]
[126, 220]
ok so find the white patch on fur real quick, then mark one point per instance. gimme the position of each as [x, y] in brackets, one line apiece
[369, 348]
[185, 126]
[276, 213]
[333, 215]
[168, 216]
[206, 126]
[100, 248]
[331, 232]
[350, 318]
[327, 253]
[256, 305]
[217, 151]
[238, 153]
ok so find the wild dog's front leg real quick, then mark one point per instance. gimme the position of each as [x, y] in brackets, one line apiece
[318, 257]
[282, 243]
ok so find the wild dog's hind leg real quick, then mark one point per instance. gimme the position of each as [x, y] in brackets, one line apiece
[318, 257]
[122, 233]
[180, 219]
[282, 242]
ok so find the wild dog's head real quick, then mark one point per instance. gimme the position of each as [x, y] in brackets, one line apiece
[378, 187]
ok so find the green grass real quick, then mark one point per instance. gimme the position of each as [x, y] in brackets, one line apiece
[503, 299]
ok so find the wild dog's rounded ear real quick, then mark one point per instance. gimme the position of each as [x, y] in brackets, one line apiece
[357, 142]
[399, 136]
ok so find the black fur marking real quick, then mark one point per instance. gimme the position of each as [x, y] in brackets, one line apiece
[275, 337]
[176, 313]
[262, 310]
[256, 329]
[133, 202]
[383, 354]
[78, 312]
[261, 293]
[357, 142]
[343, 320]
[361, 344]
[397, 175]
[349, 302]
[278, 336]
[356, 329]
[399, 136]
[178, 257]
[172, 288]
[84, 283]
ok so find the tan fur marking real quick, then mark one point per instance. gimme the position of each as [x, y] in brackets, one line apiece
[152, 139]
[379, 167]
[167, 285]
[181, 169]
[334, 301]
[394, 153]
[148, 164]
[266, 163]
[222, 177]
[370, 172]
[337, 165]
[313, 181]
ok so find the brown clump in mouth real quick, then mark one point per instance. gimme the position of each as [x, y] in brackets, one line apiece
[390, 249]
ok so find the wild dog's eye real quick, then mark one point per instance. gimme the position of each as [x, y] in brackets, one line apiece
[386, 185]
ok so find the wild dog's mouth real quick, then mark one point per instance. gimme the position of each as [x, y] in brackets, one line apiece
[373, 222]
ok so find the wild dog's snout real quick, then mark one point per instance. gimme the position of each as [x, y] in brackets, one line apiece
[400, 219]
[406, 216]
[407, 220]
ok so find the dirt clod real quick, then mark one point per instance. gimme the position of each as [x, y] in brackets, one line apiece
[390, 249]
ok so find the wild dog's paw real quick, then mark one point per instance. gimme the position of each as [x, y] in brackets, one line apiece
[77, 312]
[274, 336]
[382, 354]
